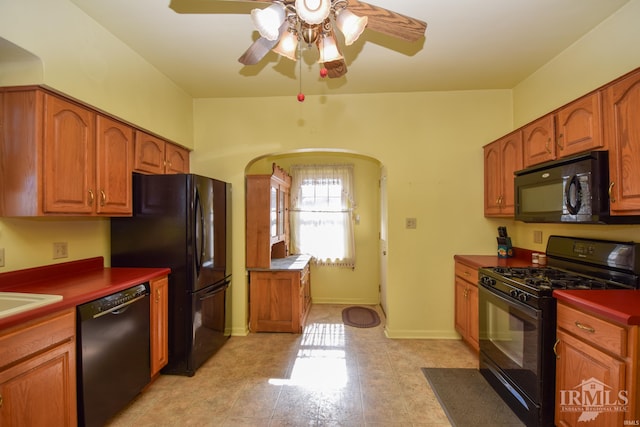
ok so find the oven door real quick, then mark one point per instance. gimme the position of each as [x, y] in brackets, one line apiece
[510, 338]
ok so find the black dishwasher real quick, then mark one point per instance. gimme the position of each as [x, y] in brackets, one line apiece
[113, 353]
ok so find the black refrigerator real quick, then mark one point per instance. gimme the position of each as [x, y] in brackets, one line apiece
[183, 222]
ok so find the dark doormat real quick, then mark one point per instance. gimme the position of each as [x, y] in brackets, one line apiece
[468, 399]
[360, 317]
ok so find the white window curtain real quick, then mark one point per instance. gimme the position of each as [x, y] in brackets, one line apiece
[322, 202]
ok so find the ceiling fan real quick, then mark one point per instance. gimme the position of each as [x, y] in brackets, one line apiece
[285, 24]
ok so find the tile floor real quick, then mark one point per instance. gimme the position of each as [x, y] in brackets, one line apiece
[331, 375]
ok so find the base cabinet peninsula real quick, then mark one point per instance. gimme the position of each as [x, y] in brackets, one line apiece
[280, 297]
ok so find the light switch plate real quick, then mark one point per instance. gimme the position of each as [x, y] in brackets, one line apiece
[537, 236]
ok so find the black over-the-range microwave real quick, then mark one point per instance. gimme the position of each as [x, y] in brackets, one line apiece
[570, 190]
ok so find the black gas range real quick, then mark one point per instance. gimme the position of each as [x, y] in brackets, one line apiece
[517, 314]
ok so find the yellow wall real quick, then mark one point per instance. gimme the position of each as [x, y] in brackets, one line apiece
[429, 143]
[345, 285]
[52, 42]
[608, 51]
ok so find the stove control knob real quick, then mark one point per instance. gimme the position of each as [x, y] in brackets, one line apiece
[523, 297]
[513, 293]
[489, 281]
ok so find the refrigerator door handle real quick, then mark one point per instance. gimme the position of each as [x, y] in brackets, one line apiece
[200, 233]
[215, 292]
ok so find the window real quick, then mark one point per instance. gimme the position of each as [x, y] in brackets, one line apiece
[322, 200]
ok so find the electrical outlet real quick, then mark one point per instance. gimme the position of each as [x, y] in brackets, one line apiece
[60, 250]
[1, 257]
[411, 223]
[537, 236]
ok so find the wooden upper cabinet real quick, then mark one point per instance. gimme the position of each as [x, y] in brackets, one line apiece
[177, 159]
[62, 158]
[267, 217]
[501, 159]
[157, 156]
[579, 126]
[621, 104]
[114, 163]
[68, 154]
[539, 141]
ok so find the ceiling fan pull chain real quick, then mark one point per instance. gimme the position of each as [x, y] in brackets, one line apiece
[300, 94]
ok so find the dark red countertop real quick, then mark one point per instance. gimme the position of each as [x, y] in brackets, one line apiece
[618, 305]
[77, 281]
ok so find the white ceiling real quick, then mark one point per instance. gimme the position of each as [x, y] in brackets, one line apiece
[469, 44]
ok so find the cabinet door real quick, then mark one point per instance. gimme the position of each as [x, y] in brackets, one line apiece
[501, 159]
[579, 126]
[473, 325]
[582, 370]
[538, 140]
[511, 154]
[114, 164]
[177, 159]
[159, 324]
[492, 179]
[149, 153]
[461, 316]
[40, 391]
[68, 158]
[274, 301]
[622, 132]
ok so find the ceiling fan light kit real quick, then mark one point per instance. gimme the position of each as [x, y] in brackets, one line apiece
[350, 25]
[286, 23]
[268, 21]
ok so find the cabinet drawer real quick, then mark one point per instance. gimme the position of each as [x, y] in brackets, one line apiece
[467, 273]
[23, 341]
[604, 334]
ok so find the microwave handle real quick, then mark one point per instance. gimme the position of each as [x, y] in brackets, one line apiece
[574, 183]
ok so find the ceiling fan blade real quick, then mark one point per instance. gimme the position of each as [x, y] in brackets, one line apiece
[336, 68]
[261, 47]
[387, 22]
[257, 51]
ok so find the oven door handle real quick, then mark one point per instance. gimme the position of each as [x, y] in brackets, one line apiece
[525, 309]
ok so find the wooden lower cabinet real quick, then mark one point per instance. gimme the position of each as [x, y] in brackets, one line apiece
[597, 365]
[279, 301]
[159, 324]
[38, 372]
[466, 303]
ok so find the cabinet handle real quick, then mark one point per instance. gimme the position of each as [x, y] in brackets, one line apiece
[560, 144]
[103, 198]
[91, 197]
[555, 349]
[585, 327]
[157, 295]
[546, 146]
[611, 198]
[467, 274]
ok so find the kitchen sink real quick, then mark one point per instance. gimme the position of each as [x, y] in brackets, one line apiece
[17, 302]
